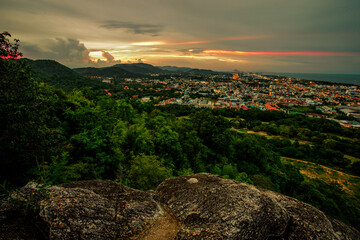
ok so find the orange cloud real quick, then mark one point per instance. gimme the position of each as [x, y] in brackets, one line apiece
[219, 39]
[191, 42]
[197, 42]
[228, 52]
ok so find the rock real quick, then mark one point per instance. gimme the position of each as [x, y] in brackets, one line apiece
[98, 210]
[215, 208]
[19, 217]
[192, 180]
[200, 206]
[308, 222]
[90, 210]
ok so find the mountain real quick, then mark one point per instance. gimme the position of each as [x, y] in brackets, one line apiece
[51, 67]
[137, 70]
[104, 72]
[140, 68]
[199, 206]
[121, 70]
[59, 75]
[186, 70]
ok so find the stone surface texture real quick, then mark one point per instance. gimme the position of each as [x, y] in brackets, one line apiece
[199, 206]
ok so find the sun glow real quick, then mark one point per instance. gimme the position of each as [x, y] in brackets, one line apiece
[228, 52]
[97, 54]
[148, 43]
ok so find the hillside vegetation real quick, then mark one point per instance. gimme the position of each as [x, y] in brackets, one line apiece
[56, 136]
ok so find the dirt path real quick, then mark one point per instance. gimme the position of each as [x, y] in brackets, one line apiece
[164, 228]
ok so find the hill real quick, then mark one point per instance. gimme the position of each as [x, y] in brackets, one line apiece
[104, 72]
[186, 70]
[140, 68]
[121, 70]
[60, 76]
[349, 184]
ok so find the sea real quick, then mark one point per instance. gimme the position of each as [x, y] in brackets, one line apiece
[335, 78]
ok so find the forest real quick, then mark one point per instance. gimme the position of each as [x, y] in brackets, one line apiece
[53, 133]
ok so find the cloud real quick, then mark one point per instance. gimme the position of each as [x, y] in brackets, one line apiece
[65, 50]
[70, 52]
[109, 60]
[108, 56]
[228, 52]
[191, 51]
[136, 28]
[319, 30]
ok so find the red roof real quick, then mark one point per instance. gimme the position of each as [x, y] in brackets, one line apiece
[269, 106]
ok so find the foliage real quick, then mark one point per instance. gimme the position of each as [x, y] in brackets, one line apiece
[146, 172]
[19, 118]
[8, 49]
[59, 136]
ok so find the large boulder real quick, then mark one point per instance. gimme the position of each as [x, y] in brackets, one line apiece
[19, 215]
[210, 207]
[200, 206]
[96, 209]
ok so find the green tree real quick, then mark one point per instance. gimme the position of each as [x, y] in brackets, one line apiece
[146, 172]
[20, 115]
[243, 177]
[8, 49]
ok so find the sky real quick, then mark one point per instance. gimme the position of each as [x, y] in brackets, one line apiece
[310, 36]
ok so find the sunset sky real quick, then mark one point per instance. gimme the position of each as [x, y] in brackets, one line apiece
[316, 36]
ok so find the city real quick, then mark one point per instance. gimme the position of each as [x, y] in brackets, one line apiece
[164, 120]
[242, 91]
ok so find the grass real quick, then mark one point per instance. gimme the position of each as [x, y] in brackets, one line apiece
[348, 183]
[351, 158]
[270, 136]
[184, 117]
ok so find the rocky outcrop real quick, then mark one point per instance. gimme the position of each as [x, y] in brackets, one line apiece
[200, 206]
[91, 209]
[210, 207]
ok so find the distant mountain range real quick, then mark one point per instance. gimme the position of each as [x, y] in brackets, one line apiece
[120, 70]
[51, 67]
[61, 76]
[138, 69]
[185, 70]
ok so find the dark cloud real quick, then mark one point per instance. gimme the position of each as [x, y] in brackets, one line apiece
[307, 25]
[41, 7]
[65, 50]
[134, 27]
[33, 51]
[191, 51]
[70, 52]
